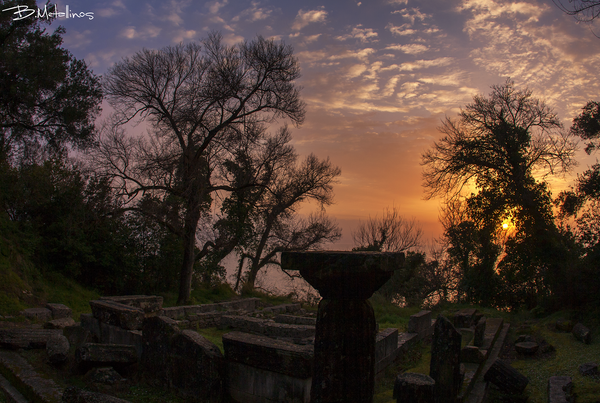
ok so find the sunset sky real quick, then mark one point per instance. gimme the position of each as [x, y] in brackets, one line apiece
[377, 76]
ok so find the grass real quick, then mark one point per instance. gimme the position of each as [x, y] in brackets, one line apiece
[570, 353]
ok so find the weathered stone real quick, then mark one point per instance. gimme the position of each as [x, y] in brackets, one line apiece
[283, 308]
[445, 359]
[564, 325]
[150, 304]
[26, 338]
[464, 318]
[344, 275]
[386, 343]
[582, 333]
[174, 312]
[506, 377]
[588, 369]
[205, 319]
[59, 311]
[246, 384]
[471, 354]
[524, 338]
[344, 360]
[91, 324]
[110, 334]
[25, 378]
[526, 347]
[420, 323]
[41, 314]
[196, 366]
[245, 304]
[76, 395]
[269, 354]
[103, 376]
[479, 334]
[101, 355]
[414, 388]
[559, 389]
[295, 320]
[113, 313]
[59, 323]
[157, 335]
[245, 324]
[57, 349]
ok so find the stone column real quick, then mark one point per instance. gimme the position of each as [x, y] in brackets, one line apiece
[344, 356]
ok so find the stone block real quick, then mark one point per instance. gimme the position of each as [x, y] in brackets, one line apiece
[588, 369]
[110, 334]
[150, 304]
[25, 378]
[245, 324]
[506, 377]
[157, 335]
[465, 318]
[414, 388]
[205, 319]
[295, 320]
[479, 334]
[445, 359]
[57, 349]
[78, 335]
[283, 330]
[91, 324]
[283, 308]
[559, 389]
[102, 355]
[76, 395]
[471, 354]
[386, 343]
[269, 354]
[26, 338]
[41, 314]
[420, 323]
[582, 333]
[246, 384]
[196, 366]
[245, 304]
[59, 311]
[113, 313]
[527, 347]
[174, 312]
[59, 323]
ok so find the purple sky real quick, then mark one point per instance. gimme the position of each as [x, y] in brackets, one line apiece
[377, 76]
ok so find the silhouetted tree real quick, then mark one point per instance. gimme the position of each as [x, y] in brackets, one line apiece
[582, 10]
[391, 232]
[200, 101]
[47, 97]
[275, 225]
[495, 148]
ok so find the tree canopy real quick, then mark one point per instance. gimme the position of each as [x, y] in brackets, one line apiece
[45, 104]
[204, 102]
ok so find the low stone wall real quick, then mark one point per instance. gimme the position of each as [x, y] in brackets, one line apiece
[182, 359]
[261, 369]
[184, 312]
[266, 327]
[421, 324]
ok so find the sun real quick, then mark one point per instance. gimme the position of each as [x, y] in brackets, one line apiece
[505, 226]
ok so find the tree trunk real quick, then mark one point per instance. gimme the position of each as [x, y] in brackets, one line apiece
[192, 217]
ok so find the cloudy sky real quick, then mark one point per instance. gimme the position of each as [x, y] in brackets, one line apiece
[378, 76]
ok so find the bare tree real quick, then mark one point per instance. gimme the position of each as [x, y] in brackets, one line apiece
[200, 101]
[582, 10]
[391, 232]
[276, 226]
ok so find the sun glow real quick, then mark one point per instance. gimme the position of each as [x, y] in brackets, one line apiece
[504, 226]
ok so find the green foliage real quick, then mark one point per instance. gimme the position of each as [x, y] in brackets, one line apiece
[46, 104]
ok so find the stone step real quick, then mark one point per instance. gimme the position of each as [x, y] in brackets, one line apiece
[26, 337]
[27, 381]
[476, 390]
[10, 392]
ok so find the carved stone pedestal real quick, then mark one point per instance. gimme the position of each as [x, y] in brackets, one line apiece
[344, 359]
